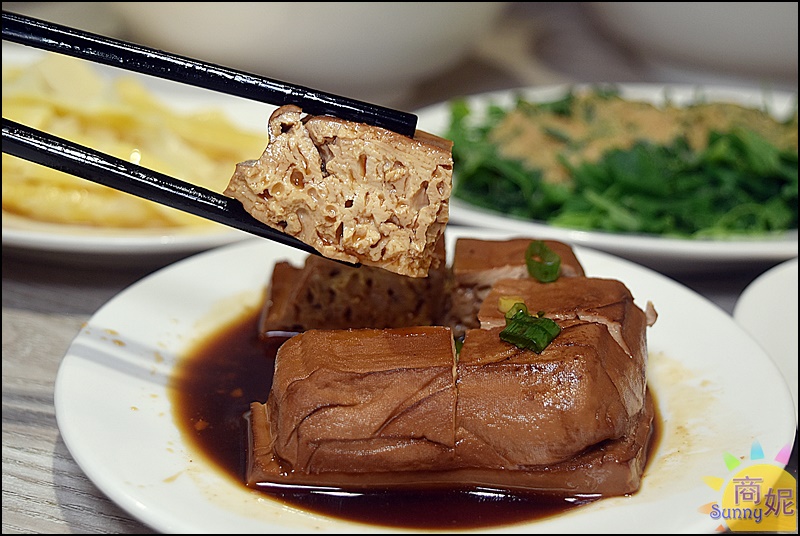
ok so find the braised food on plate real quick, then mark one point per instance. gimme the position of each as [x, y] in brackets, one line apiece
[548, 392]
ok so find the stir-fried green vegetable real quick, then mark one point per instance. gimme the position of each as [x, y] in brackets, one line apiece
[733, 181]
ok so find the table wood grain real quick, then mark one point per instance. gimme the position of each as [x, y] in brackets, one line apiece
[44, 490]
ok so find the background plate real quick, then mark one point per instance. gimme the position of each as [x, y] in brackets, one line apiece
[79, 245]
[767, 309]
[667, 255]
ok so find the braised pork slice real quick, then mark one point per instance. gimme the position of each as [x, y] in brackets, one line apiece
[326, 294]
[544, 408]
[361, 401]
[356, 193]
[479, 263]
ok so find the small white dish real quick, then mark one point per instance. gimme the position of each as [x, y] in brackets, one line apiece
[375, 52]
[767, 309]
[667, 255]
[114, 413]
[744, 40]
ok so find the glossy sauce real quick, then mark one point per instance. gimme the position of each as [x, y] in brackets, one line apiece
[212, 390]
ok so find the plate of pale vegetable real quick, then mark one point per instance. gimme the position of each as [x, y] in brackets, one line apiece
[679, 178]
[194, 135]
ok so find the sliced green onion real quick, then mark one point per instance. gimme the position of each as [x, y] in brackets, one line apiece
[514, 309]
[504, 303]
[459, 343]
[528, 331]
[543, 263]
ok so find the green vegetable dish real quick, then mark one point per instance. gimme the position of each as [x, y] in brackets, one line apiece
[592, 160]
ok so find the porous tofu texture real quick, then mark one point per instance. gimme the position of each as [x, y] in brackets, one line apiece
[356, 193]
[325, 294]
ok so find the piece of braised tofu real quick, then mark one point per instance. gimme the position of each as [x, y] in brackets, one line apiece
[479, 263]
[518, 408]
[356, 193]
[325, 294]
[362, 409]
[361, 401]
[590, 299]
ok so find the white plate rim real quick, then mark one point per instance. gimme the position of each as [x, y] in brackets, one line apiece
[767, 309]
[664, 253]
[78, 240]
[126, 350]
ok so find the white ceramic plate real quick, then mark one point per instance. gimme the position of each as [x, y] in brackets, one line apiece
[767, 309]
[668, 255]
[79, 245]
[114, 413]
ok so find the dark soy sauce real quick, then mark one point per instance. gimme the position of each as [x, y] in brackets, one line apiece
[212, 390]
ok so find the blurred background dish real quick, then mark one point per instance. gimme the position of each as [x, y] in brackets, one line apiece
[708, 42]
[28, 240]
[194, 135]
[523, 44]
[767, 309]
[534, 44]
[674, 256]
[371, 51]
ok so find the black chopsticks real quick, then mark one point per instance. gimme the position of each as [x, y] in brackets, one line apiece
[132, 57]
[62, 155]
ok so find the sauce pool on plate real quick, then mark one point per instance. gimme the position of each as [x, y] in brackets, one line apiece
[211, 391]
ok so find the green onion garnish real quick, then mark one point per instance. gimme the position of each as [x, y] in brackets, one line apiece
[459, 343]
[528, 331]
[514, 309]
[543, 263]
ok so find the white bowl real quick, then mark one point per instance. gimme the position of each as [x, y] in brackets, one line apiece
[372, 51]
[754, 40]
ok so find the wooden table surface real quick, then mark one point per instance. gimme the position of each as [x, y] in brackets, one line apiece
[45, 303]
